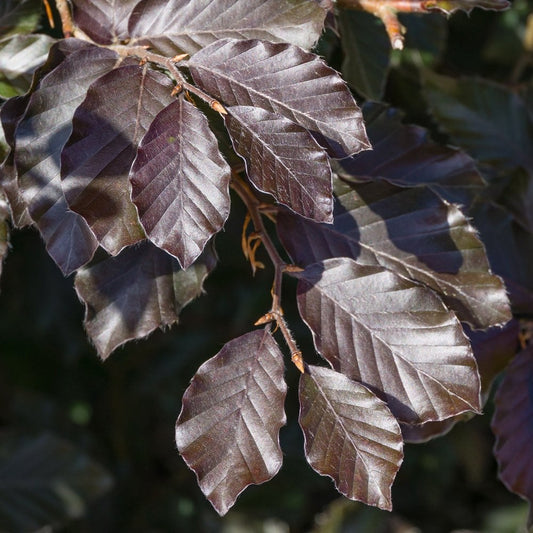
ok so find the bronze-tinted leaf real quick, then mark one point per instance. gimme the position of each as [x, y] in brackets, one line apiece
[284, 160]
[180, 182]
[288, 81]
[350, 435]
[178, 26]
[143, 288]
[228, 428]
[392, 335]
[97, 158]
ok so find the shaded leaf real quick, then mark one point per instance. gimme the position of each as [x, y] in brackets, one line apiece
[512, 424]
[96, 161]
[40, 138]
[180, 26]
[286, 80]
[284, 160]
[228, 428]
[425, 32]
[143, 288]
[19, 16]
[4, 228]
[412, 232]
[47, 480]
[392, 335]
[450, 6]
[350, 436]
[180, 182]
[20, 55]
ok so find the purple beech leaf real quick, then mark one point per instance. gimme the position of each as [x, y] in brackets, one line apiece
[512, 424]
[283, 159]
[228, 428]
[350, 436]
[130, 295]
[181, 26]
[288, 81]
[180, 182]
[412, 232]
[40, 138]
[97, 158]
[451, 6]
[392, 335]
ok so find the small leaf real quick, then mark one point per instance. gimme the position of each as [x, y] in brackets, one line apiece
[392, 335]
[451, 6]
[286, 80]
[143, 288]
[228, 428]
[19, 16]
[181, 26]
[350, 436]
[284, 160]
[512, 425]
[180, 182]
[96, 161]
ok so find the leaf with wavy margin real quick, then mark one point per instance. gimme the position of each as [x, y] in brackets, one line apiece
[143, 288]
[288, 81]
[350, 436]
[228, 428]
[284, 160]
[180, 182]
[95, 163]
[180, 26]
[392, 335]
[512, 424]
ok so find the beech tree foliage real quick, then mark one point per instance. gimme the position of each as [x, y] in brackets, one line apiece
[123, 141]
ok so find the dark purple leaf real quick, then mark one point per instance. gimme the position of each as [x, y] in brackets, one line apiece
[177, 26]
[284, 160]
[512, 425]
[180, 182]
[143, 288]
[288, 81]
[412, 232]
[97, 158]
[228, 428]
[392, 335]
[350, 436]
[40, 138]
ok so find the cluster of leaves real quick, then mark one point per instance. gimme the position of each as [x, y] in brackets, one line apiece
[121, 145]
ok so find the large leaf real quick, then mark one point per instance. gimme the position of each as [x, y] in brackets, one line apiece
[284, 160]
[412, 232]
[392, 335]
[350, 435]
[180, 182]
[40, 138]
[178, 26]
[45, 481]
[228, 428]
[513, 426]
[20, 55]
[19, 16]
[286, 80]
[143, 288]
[97, 158]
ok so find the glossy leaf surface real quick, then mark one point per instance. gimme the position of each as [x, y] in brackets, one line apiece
[286, 80]
[228, 428]
[143, 288]
[284, 160]
[179, 26]
[392, 335]
[180, 182]
[350, 436]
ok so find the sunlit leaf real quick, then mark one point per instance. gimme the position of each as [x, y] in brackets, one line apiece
[450, 6]
[95, 164]
[350, 436]
[178, 26]
[19, 16]
[284, 160]
[286, 80]
[228, 428]
[392, 335]
[143, 288]
[180, 182]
